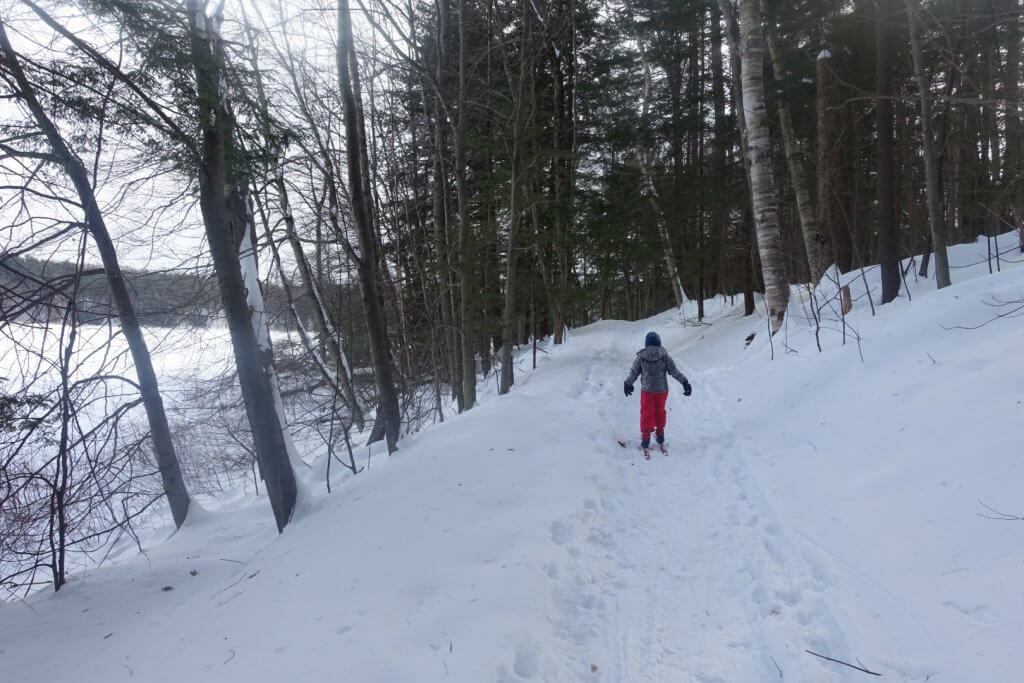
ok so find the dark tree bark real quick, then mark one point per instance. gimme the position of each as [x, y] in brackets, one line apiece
[563, 83]
[466, 289]
[1013, 168]
[719, 207]
[368, 261]
[829, 211]
[521, 113]
[254, 363]
[888, 227]
[936, 218]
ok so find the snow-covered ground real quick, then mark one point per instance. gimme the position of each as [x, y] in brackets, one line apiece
[814, 501]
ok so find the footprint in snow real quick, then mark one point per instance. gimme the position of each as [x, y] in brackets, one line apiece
[527, 662]
[561, 532]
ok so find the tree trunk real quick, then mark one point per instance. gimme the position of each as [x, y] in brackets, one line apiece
[327, 328]
[563, 83]
[888, 227]
[747, 229]
[441, 212]
[719, 207]
[444, 279]
[648, 179]
[163, 447]
[550, 298]
[766, 219]
[508, 319]
[829, 211]
[936, 219]
[368, 261]
[1013, 168]
[794, 155]
[242, 225]
[254, 363]
[466, 321]
[522, 109]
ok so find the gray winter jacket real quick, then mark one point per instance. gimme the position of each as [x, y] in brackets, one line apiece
[652, 364]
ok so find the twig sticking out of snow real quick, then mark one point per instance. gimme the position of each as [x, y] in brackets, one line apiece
[994, 303]
[839, 661]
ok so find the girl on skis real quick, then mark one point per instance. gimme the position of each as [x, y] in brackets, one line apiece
[653, 365]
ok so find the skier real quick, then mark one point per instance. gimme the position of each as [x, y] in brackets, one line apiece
[653, 364]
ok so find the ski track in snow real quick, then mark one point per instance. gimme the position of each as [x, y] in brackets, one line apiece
[678, 569]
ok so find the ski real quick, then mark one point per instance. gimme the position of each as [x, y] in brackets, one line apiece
[646, 451]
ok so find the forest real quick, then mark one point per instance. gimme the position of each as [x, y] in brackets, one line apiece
[415, 190]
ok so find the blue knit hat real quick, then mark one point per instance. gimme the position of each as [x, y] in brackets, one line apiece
[652, 339]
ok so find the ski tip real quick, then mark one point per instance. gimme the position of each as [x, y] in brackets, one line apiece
[621, 442]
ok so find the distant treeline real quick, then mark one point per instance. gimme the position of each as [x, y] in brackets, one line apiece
[33, 290]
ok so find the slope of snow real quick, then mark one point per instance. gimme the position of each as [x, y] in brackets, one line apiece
[812, 501]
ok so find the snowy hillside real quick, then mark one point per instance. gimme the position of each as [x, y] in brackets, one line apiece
[814, 501]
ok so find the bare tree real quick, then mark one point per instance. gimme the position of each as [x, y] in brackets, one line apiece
[522, 111]
[360, 199]
[936, 216]
[340, 375]
[149, 389]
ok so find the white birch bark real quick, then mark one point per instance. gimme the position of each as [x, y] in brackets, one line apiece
[261, 325]
[762, 189]
[794, 157]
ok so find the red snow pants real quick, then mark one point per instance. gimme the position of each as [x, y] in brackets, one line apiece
[652, 413]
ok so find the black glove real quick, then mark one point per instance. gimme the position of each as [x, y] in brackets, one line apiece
[627, 388]
[687, 389]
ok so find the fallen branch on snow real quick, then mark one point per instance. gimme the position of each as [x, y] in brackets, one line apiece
[1002, 516]
[839, 661]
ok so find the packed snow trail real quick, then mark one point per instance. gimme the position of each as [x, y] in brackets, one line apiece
[516, 542]
[811, 502]
[677, 569]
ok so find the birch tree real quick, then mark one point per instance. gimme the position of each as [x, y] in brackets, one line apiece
[759, 150]
[794, 156]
